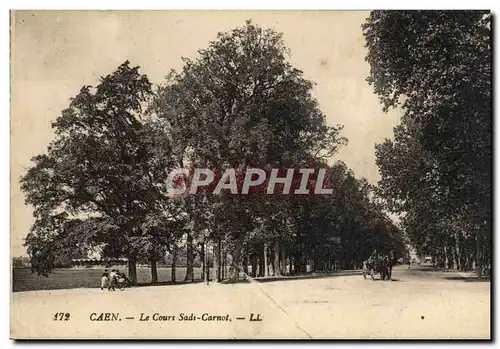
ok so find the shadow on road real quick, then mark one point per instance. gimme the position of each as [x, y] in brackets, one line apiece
[431, 269]
[168, 283]
[469, 278]
[446, 274]
[296, 277]
[378, 279]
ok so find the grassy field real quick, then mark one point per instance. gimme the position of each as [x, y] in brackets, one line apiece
[24, 280]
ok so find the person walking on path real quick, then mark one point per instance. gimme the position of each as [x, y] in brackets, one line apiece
[112, 280]
[104, 279]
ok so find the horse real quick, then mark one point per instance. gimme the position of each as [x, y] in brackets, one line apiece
[380, 265]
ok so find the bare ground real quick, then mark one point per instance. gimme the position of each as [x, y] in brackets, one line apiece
[421, 303]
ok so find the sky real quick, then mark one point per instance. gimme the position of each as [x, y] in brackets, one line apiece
[55, 53]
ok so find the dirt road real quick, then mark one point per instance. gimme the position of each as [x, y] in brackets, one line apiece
[419, 303]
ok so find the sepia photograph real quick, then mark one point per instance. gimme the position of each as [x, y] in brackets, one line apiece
[251, 175]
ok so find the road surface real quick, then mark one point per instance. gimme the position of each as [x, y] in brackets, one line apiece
[419, 303]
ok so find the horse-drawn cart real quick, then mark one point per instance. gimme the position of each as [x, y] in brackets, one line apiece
[381, 266]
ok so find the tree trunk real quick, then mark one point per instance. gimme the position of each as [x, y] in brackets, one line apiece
[458, 254]
[253, 259]
[206, 276]
[276, 262]
[261, 263]
[296, 263]
[486, 258]
[445, 256]
[220, 270]
[189, 259]
[223, 263]
[282, 261]
[174, 262]
[464, 261]
[303, 264]
[479, 267]
[266, 270]
[202, 257]
[470, 262]
[316, 262]
[132, 270]
[217, 261]
[154, 271]
[450, 254]
[234, 268]
[245, 264]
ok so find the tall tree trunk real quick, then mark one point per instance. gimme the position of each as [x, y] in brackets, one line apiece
[217, 262]
[316, 262]
[458, 252]
[221, 276]
[261, 263]
[464, 261]
[266, 270]
[224, 264]
[479, 266]
[276, 261]
[234, 268]
[206, 277]
[450, 254]
[282, 261]
[303, 264]
[202, 257]
[174, 262]
[189, 259]
[154, 271]
[245, 264]
[253, 259]
[296, 263]
[445, 256]
[132, 269]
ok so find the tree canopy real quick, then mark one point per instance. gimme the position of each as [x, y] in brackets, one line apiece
[239, 104]
[436, 66]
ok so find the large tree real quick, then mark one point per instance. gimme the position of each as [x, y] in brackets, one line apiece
[240, 103]
[102, 170]
[436, 66]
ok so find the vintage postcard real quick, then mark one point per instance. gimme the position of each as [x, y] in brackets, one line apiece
[251, 174]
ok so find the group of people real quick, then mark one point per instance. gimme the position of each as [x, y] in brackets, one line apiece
[112, 279]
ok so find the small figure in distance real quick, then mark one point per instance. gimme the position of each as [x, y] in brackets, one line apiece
[104, 279]
[112, 280]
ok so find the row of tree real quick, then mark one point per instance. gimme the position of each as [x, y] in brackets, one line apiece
[436, 65]
[239, 104]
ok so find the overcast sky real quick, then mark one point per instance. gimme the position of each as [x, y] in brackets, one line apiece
[55, 53]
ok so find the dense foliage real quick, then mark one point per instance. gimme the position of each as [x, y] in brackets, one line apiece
[239, 104]
[436, 66]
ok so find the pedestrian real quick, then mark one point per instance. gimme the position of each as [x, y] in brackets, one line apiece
[112, 280]
[385, 269]
[409, 263]
[104, 279]
[366, 270]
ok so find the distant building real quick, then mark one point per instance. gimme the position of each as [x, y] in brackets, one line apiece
[94, 262]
